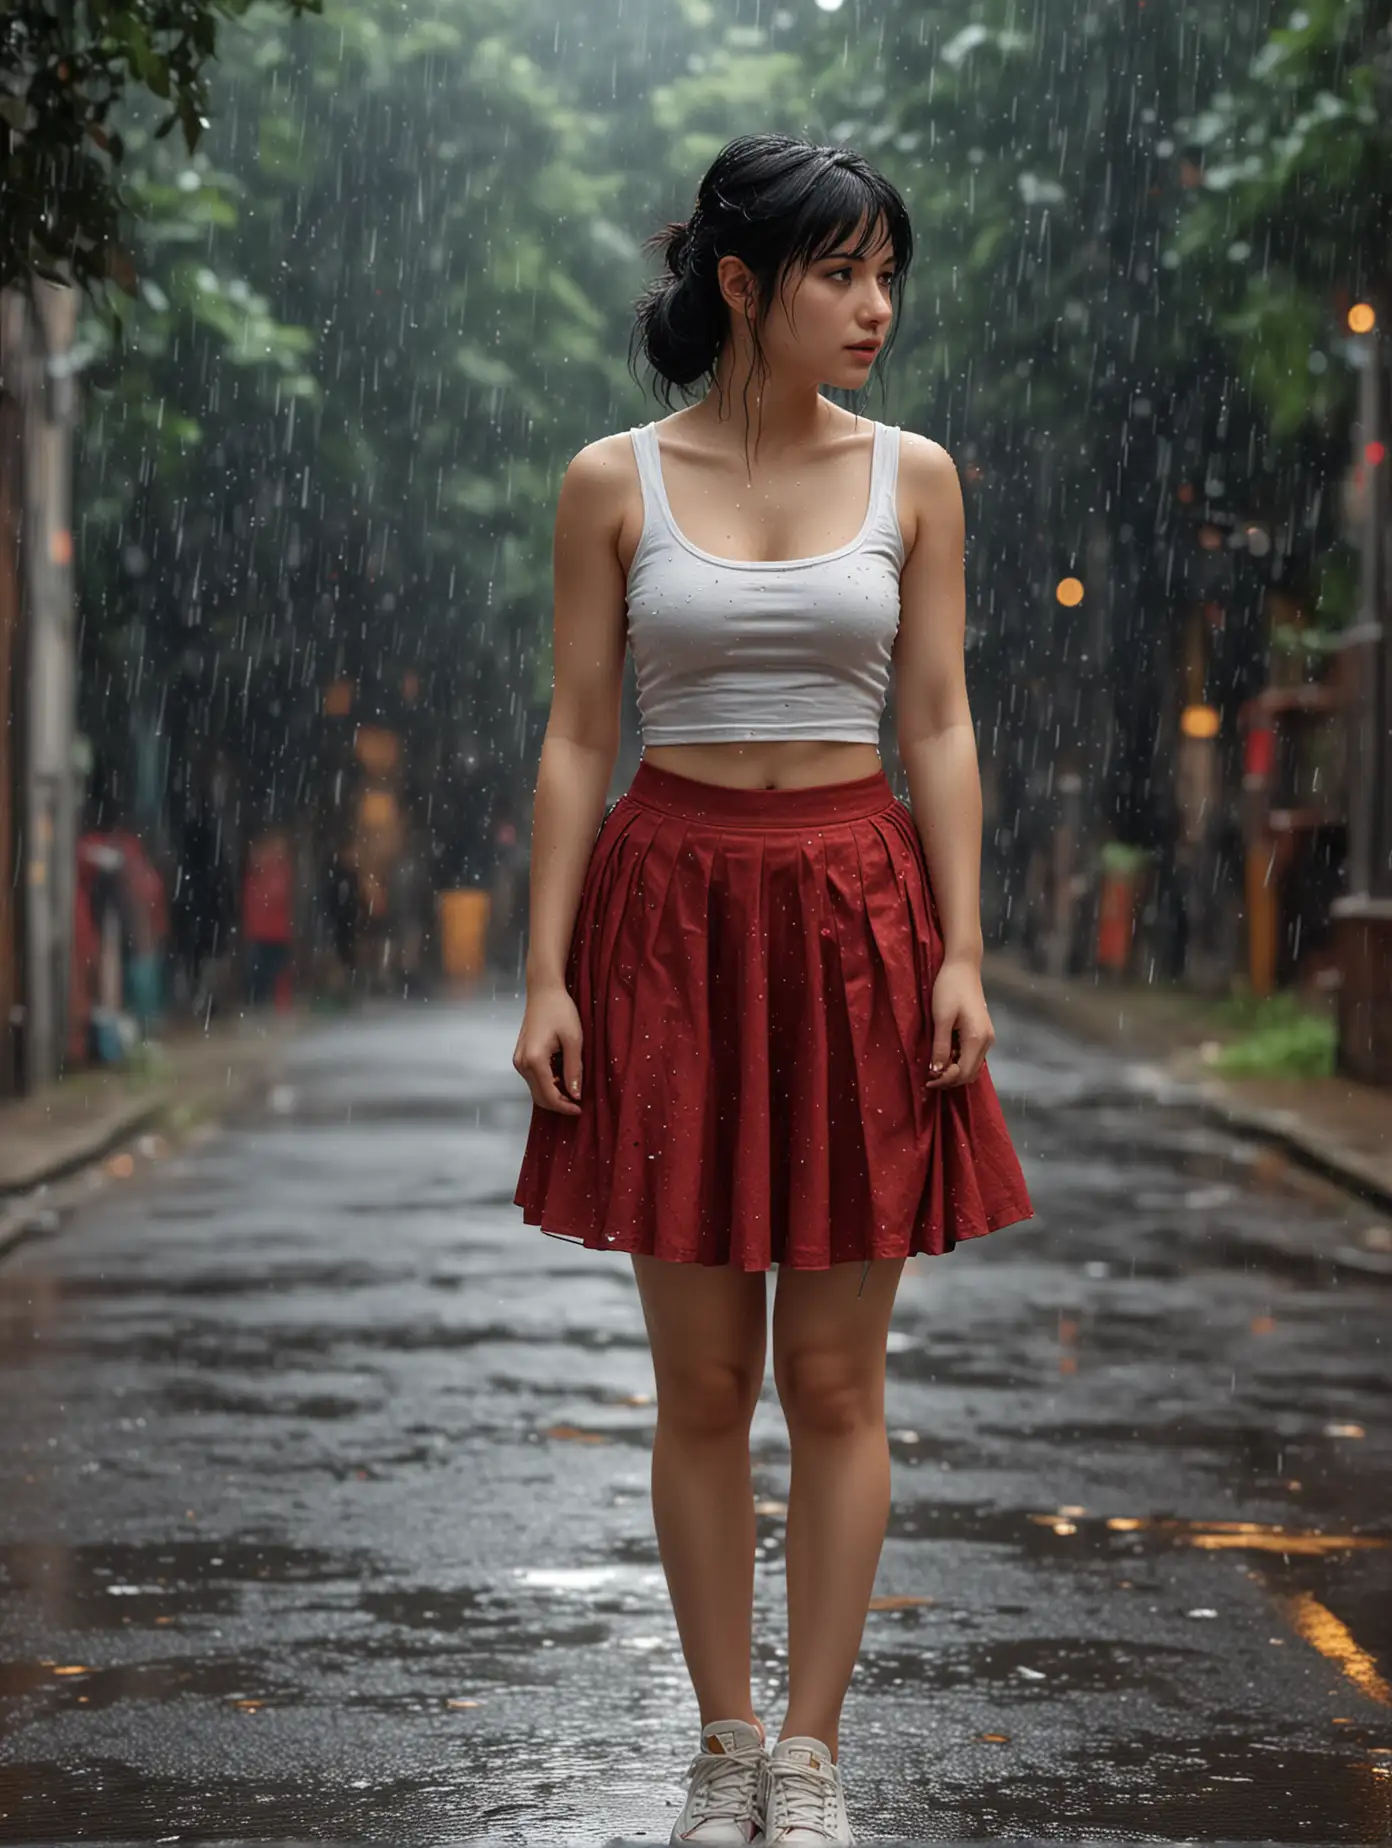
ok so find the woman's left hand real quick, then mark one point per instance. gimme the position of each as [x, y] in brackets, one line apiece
[962, 1030]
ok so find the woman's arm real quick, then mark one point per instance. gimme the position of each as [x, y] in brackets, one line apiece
[577, 753]
[937, 743]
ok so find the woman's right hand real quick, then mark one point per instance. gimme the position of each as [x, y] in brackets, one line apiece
[550, 1025]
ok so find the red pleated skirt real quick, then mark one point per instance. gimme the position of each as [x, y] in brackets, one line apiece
[752, 970]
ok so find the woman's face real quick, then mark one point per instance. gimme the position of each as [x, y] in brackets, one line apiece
[826, 324]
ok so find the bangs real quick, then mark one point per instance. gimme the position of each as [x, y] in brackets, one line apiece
[842, 209]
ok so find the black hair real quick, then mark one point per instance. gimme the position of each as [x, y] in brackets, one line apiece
[778, 204]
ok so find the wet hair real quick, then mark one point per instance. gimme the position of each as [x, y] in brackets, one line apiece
[778, 204]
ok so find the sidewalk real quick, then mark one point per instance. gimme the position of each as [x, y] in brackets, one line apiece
[192, 1075]
[1339, 1128]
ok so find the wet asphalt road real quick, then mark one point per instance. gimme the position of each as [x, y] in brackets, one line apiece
[323, 1491]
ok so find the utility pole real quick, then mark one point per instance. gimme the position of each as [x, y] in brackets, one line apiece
[11, 608]
[1363, 917]
[36, 333]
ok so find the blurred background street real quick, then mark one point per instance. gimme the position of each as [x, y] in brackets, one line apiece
[324, 1488]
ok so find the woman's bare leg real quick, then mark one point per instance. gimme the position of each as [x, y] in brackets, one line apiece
[829, 1367]
[706, 1328]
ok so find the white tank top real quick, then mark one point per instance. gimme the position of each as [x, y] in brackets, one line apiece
[730, 648]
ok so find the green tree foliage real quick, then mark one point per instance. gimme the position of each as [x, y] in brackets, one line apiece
[359, 361]
[66, 72]
[1290, 215]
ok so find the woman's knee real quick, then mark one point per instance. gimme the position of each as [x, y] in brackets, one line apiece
[706, 1333]
[706, 1398]
[832, 1394]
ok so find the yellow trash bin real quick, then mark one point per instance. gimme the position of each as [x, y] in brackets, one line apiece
[463, 933]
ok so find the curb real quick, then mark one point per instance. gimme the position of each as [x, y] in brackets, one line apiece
[125, 1120]
[1209, 1096]
[1276, 1126]
[23, 1212]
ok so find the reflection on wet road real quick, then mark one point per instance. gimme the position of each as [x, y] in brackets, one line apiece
[325, 1491]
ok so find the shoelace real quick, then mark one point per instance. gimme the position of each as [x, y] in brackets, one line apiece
[799, 1798]
[725, 1784]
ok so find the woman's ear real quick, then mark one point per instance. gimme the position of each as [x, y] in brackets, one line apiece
[737, 286]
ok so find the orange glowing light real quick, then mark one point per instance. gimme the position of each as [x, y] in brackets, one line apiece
[1069, 592]
[1362, 318]
[60, 547]
[377, 749]
[378, 808]
[1199, 722]
[338, 699]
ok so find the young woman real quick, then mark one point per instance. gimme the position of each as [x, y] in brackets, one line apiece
[755, 1030]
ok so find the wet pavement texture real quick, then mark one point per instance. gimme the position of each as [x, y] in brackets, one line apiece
[324, 1491]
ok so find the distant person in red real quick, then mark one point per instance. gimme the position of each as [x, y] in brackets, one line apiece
[268, 918]
[146, 912]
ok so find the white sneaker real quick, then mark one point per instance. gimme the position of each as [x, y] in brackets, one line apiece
[803, 1798]
[723, 1804]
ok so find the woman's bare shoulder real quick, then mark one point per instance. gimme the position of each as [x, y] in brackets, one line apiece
[607, 459]
[924, 462]
[600, 481]
[930, 491]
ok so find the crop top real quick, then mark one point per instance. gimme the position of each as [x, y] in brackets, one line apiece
[768, 648]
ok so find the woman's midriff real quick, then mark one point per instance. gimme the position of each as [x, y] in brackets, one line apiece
[767, 763]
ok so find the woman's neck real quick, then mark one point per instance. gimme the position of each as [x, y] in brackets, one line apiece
[776, 416]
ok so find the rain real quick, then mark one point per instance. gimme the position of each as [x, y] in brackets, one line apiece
[325, 1478]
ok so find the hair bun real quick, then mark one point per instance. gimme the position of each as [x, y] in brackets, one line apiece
[675, 244]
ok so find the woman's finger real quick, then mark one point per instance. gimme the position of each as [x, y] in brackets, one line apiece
[941, 1056]
[545, 1085]
[546, 1090]
[973, 1056]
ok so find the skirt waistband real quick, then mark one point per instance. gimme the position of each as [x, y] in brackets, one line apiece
[689, 799]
